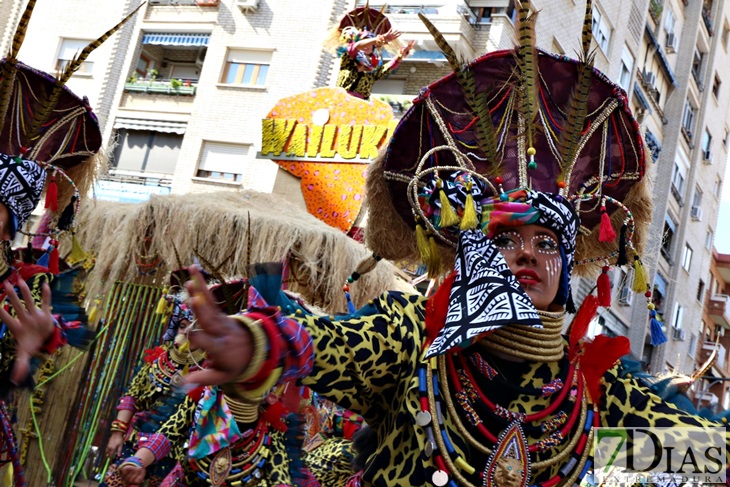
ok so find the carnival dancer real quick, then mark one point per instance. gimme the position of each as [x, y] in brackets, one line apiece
[502, 165]
[220, 440]
[150, 400]
[359, 40]
[49, 138]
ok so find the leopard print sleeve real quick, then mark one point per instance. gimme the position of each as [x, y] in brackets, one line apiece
[361, 361]
[140, 388]
[177, 429]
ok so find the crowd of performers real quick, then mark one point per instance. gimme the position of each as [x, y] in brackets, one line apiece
[507, 168]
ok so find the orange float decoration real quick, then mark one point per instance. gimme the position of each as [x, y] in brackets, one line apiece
[327, 138]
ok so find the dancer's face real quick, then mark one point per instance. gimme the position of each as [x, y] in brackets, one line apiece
[5, 223]
[532, 253]
[182, 334]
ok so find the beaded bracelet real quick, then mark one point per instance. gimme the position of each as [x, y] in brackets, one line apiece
[260, 342]
[136, 461]
[119, 426]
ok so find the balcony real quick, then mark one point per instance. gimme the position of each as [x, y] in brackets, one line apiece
[720, 361]
[174, 87]
[139, 100]
[719, 310]
[182, 11]
[399, 103]
[656, 7]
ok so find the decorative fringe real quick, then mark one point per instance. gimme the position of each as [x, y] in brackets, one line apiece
[77, 253]
[53, 259]
[604, 288]
[448, 215]
[657, 334]
[161, 308]
[293, 441]
[606, 232]
[469, 220]
[80, 337]
[52, 195]
[622, 259]
[434, 262]
[273, 416]
[640, 285]
[66, 219]
[94, 312]
[579, 326]
[45, 259]
[422, 243]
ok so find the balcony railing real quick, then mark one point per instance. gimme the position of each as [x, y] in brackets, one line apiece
[169, 87]
[718, 308]
[199, 3]
[656, 7]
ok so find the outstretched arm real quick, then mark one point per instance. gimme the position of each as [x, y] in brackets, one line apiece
[377, 41]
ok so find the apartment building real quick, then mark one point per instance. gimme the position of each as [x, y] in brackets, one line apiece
[183, 87]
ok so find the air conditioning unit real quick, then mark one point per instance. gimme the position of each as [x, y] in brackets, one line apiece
[672, 42]
[680, 334]
[649, 78]
[625, 296]
[696, 213]
[247, 5]
[707, 157]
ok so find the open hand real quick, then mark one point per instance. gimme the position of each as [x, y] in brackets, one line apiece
[31, 327]
[391, 35]
[405, 50]
[226, 343]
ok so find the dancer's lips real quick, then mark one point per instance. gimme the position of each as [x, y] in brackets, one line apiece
[527, 277]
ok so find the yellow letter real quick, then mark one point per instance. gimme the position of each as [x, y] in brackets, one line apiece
[274, 135]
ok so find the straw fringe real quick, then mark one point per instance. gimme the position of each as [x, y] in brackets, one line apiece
[213, 226]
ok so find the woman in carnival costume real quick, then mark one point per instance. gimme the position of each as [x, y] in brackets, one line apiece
[222, 440]
[519, 166]
[359, 40]
[49, 138]
[150, 400]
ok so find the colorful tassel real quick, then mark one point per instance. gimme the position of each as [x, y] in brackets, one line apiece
[640, 285]
[28, 253]
[604, 288]
[53, 259]
[606, 232]
[44, 261]
[94, 313]
[350, 307]
[622, 259]
[657, 334]
[600, 355]
[579, 326]
[422, 244]
[469, 220]
[77, 253]
[52, 195]
[161, 308]
[66, 220]
[448, 215]
[434, 263]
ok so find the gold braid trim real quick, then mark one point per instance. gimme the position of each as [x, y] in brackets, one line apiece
[544, 344]
[243, 413]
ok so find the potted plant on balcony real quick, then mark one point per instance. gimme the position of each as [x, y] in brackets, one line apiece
[207, 3]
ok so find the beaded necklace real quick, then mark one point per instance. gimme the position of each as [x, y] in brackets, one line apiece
[170, 368]
[450, 463]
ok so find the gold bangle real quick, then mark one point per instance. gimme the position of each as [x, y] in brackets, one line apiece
[252, 396]
[260, 346]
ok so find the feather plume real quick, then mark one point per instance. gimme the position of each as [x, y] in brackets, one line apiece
[46, 109]
[577, 106]
[8, 70]
[526, 57]
[485, 132]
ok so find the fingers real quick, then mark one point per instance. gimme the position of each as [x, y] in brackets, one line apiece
[202, 339]
[27, 296]
[20, 310]
[46, 299]
[208, 377]
[21, 368]
[11, 322]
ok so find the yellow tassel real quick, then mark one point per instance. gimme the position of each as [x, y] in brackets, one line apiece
[469, 220]
[9, 474]
[434, 263]
[77, 254]
[186, 369]
[94, 313]
[448, 215]
[422, 244]
[639, 276]
[184, 347]
[161, 308]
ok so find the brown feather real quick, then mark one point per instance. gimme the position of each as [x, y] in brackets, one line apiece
[587, 33]
[526, 57]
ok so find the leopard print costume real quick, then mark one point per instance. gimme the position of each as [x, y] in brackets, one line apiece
[368, 363]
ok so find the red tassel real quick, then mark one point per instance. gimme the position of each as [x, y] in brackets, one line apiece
[273, 416]
[579, 327]
[600, 355]
[604, 288]
[52, 195]
[606, 232]
[153, 354]
[196, 393]
[53, 260]
[436, 309]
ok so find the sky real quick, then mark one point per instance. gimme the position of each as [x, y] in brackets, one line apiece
[722, 232]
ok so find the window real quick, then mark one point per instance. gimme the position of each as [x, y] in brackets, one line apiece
[68, 51]
[701, 291]
[484, 14]
[692, 345]
[726, 137]
[668, 239]
[697, 65]
[669, 21]
[677, 316]
[709, 238]
[717, 188]
[706, 141]
[716, 86]
[697, 198]
[234, 163]
[147, 151]
[725, 35]
[687, 257]
[601, 32]
[247, 67]
[687, 118]
[660, 292]
[627, 66]
[678, 176]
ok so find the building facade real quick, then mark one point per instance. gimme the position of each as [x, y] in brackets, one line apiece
[182, 88]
